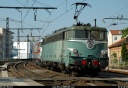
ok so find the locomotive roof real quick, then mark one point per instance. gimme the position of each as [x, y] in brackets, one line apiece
[77, 28]
[81, 28]
[87, 28]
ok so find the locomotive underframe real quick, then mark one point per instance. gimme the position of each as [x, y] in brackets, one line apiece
[77, 68]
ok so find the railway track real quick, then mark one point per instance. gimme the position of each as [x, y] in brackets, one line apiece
[50, 78]
[23, 70]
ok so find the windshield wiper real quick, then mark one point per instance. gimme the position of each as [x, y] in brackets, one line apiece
[93, 36]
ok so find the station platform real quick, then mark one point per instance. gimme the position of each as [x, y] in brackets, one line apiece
[3, 69]
[11, 81]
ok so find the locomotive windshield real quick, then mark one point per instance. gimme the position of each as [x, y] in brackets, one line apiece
[97, 35]
[87, 34]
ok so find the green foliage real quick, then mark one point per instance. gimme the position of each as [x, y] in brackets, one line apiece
[114, 58]
[126, 59]
[124, 32]
[127, 39]
[114, 55]
[123, 65]
[124, 52]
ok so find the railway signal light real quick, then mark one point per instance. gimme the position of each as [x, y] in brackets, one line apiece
[84, 62]
[95, 62]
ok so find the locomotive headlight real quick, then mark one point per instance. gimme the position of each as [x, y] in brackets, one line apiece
[103, 52]
[75, 51]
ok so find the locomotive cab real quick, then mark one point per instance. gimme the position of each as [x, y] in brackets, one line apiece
[87, 48]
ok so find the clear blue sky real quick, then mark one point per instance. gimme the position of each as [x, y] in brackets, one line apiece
[100, 9]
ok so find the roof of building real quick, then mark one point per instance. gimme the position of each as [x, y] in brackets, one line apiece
[9, 31]
[4, 29]
[116, 32]
[118, 43]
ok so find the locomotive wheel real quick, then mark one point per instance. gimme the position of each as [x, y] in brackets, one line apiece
[93, 73]
[52, 68]
[48, 67]
[73, 74]
[64, 71]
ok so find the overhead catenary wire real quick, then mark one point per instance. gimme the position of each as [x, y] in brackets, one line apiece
[11, 19]
[20, 3]
[22, 19]
[66, 5]
[2, 19]
[35, 1]
[15, 21]
[65, 12]
[48, 18]
[29, 10]
[26, 4]
[50, 7]
[50, 21]
[62, 14]
[46, 21]
[46, 10]
[119, 10]
[40, 3]
[59, 16]
[113, 17]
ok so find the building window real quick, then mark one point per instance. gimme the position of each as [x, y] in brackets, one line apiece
[115, 38]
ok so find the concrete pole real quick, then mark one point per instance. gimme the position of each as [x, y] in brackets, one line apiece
[3, 56]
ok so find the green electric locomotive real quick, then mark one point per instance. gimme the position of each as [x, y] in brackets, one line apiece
[78, 49]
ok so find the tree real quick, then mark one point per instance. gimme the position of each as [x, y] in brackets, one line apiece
[114, 59]
[114, 55]
[125, 32]
[124, 52]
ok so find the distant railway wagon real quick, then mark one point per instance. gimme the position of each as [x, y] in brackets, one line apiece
[37, 52]
[79, 49]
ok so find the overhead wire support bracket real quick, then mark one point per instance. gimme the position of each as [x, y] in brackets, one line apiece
[21, 19]
[27, 7]
[117, 18]
[48, 11]
[34, 8]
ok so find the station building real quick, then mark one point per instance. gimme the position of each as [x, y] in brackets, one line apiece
[22, 50]
[6, 44]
